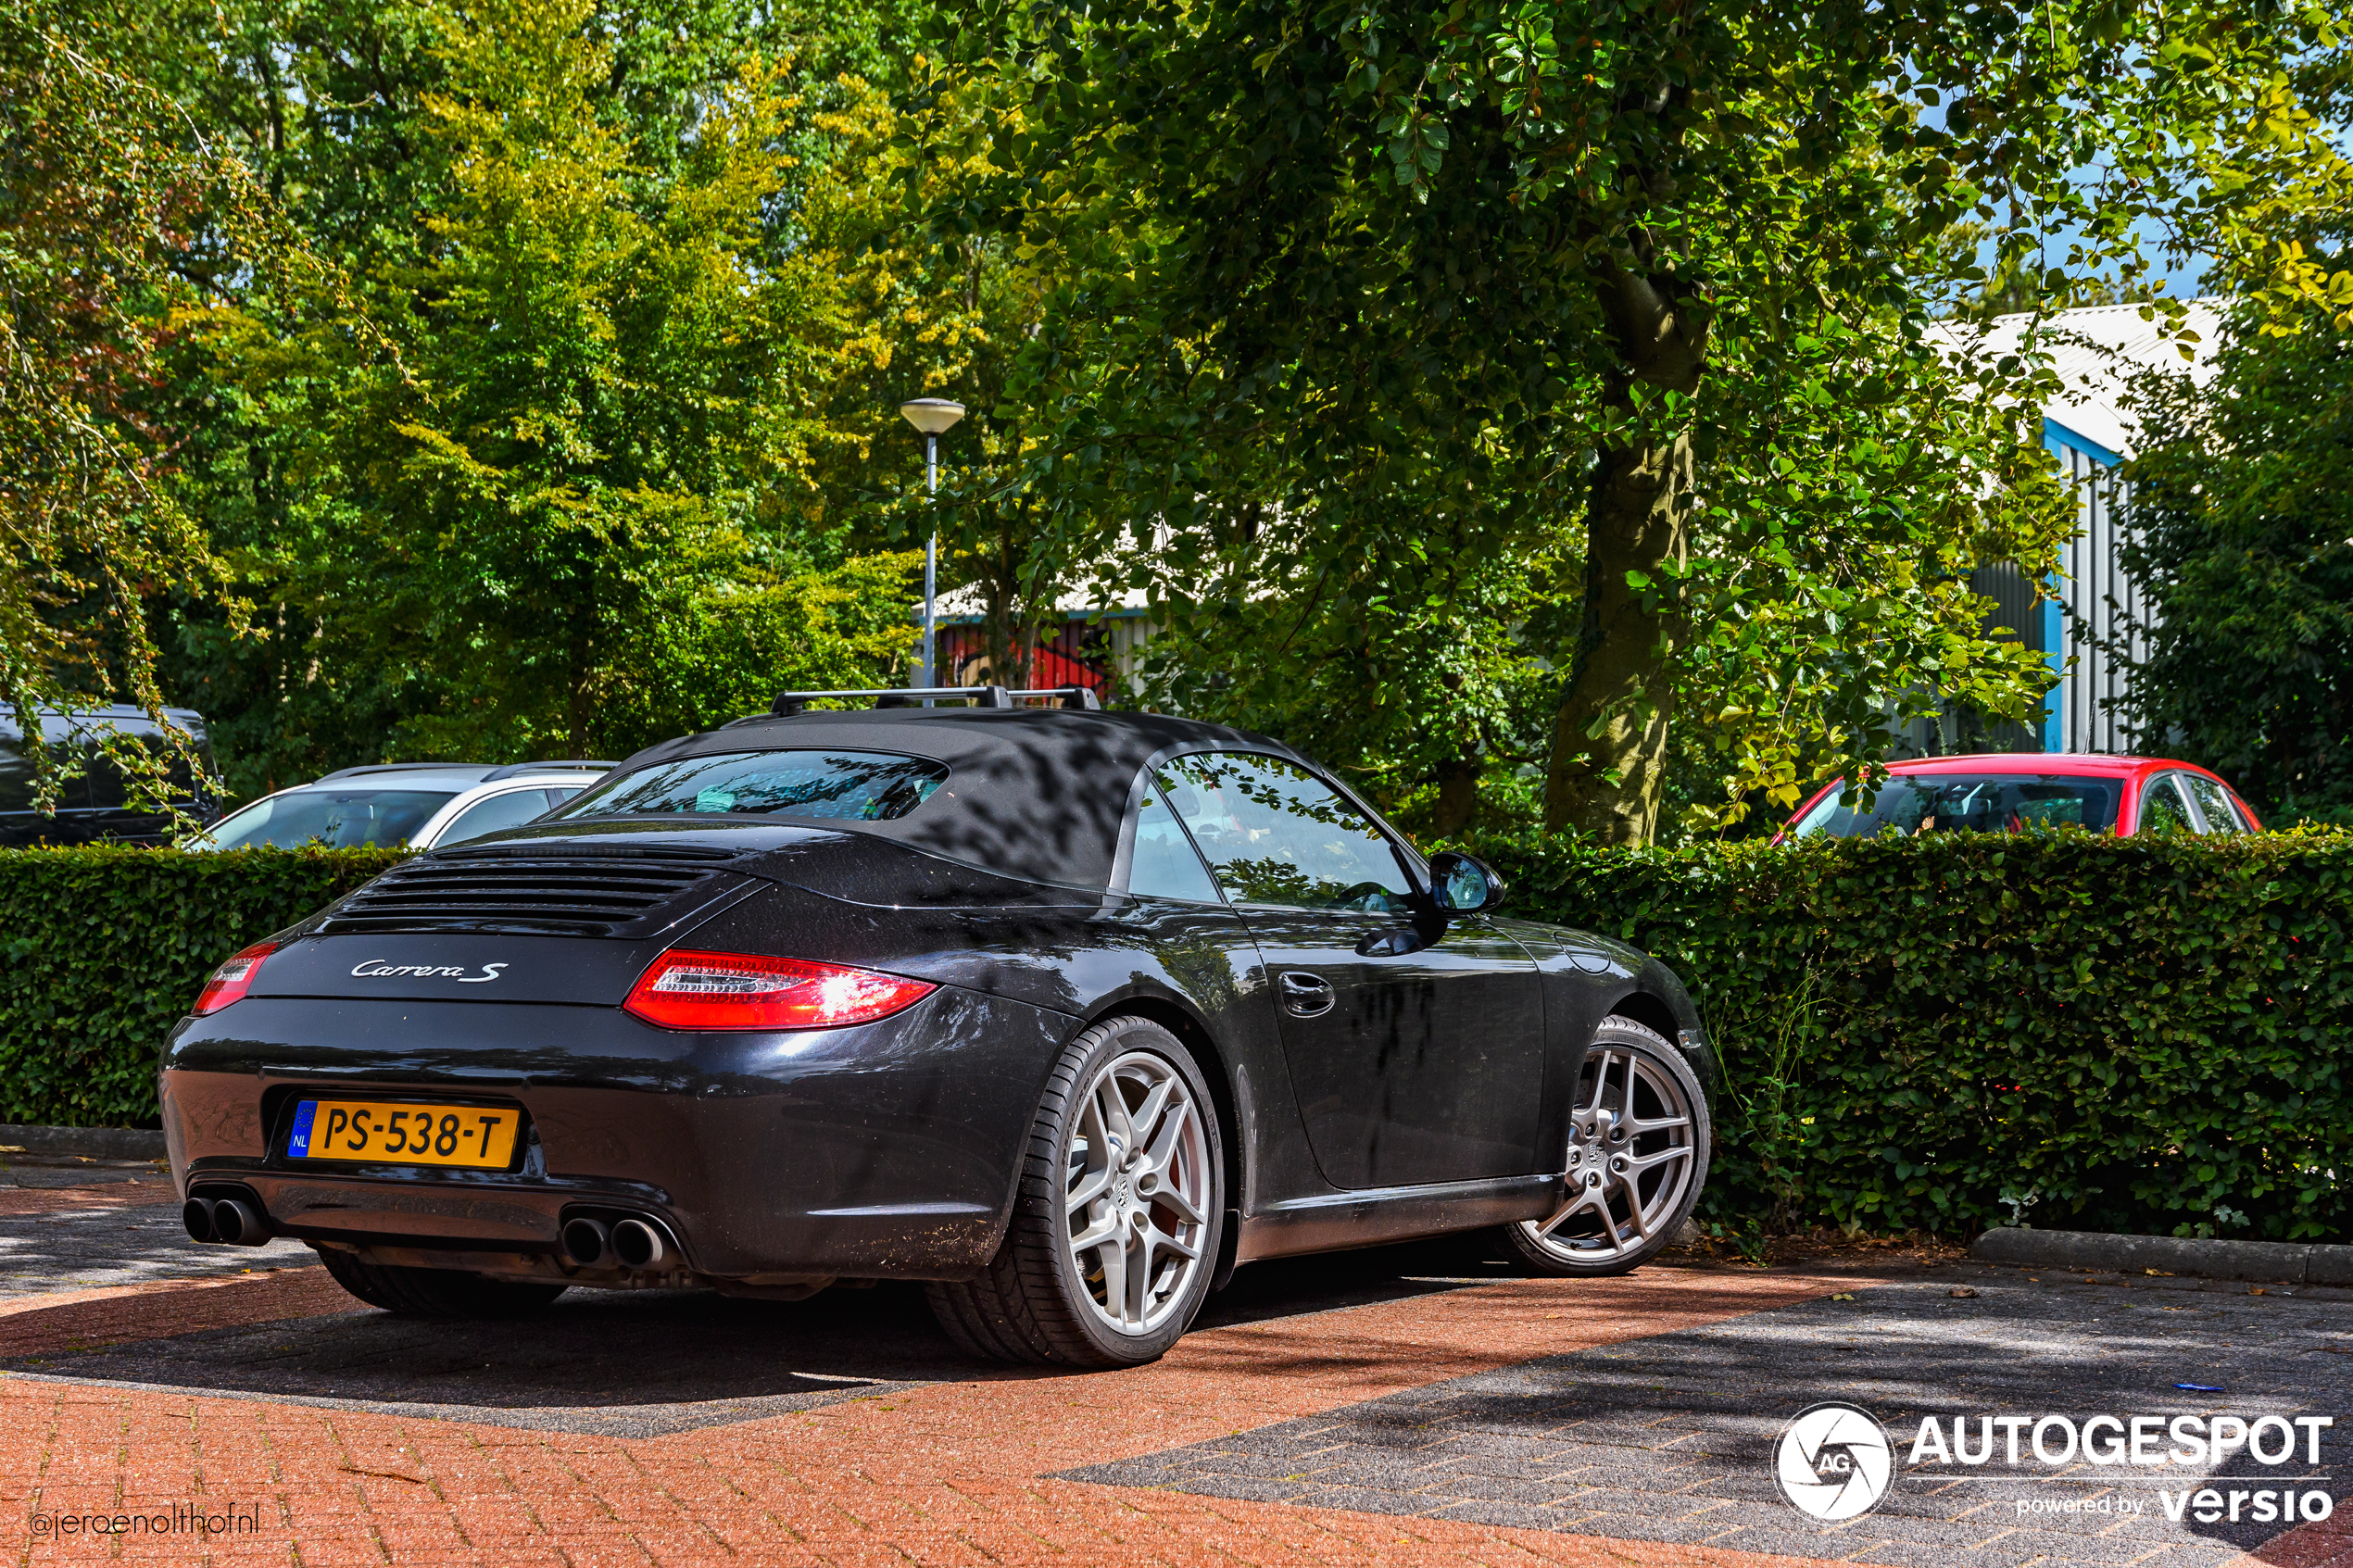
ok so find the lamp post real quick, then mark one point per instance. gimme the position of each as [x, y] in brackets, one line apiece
[932, 415]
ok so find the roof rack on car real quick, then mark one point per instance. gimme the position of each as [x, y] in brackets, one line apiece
[789, 703]
[568, 765]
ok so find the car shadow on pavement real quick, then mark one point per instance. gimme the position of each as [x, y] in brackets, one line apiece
[644, 1364]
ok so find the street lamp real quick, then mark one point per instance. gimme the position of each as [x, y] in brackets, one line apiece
[932, 415]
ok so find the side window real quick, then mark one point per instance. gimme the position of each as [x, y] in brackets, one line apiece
[109, 791]
[16, 776]
[1164, 865]
[2162, 808]
[2213, 804]
[1276, 834]
[509, 810]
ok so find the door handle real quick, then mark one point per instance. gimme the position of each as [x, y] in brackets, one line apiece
[1306, 996]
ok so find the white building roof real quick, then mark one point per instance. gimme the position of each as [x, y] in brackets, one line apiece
[2096, 352]
[969, 603]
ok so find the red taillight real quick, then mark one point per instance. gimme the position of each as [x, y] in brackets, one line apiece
[740, 991]
[229, 982]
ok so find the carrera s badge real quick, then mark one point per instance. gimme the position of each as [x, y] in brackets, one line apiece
[376, 969]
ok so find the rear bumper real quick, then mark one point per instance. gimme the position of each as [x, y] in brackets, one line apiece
[885, 1151]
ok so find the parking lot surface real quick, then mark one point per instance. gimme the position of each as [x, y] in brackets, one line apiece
[1400, 1406]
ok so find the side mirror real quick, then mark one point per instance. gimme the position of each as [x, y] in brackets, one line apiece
[1463, 884]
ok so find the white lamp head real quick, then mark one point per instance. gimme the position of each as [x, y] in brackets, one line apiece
[931, 414]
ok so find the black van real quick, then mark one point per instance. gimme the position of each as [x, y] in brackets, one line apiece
[96, 807]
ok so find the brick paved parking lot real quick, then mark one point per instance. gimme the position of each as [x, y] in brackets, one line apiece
[1382, 1407]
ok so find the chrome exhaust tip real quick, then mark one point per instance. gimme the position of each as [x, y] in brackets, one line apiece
[196, 1214]
[638, 1245]
[587, 1242]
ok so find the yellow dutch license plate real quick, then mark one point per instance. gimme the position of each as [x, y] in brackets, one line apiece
[389, 1132]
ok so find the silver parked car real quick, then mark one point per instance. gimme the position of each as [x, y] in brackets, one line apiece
[416, 805]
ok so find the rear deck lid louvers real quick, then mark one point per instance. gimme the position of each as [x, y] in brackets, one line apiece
[571, 892]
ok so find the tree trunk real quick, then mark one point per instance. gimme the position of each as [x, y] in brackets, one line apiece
[1610, 746]
[1009, 631]
[579, 711]
[1457, 797]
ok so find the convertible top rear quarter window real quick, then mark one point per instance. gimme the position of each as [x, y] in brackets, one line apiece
[865, 787]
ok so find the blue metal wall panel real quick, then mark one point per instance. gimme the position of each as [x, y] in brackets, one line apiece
[2083, 614]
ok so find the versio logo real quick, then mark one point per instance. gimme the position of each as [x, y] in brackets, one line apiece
[1835, 1463]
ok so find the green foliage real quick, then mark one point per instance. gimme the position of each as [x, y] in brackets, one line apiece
[102, 179]
[1938, 1033]
[1354, 287]
[943, 313]
[2242, 540]
[2134, 1036]
[106, 948]
[1418, 678]
[571, 515]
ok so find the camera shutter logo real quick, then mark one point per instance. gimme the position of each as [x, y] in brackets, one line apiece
[1835, 1463]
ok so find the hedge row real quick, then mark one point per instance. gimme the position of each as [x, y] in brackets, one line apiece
[1941, 1032]
[1962, 1030]
[102, 951]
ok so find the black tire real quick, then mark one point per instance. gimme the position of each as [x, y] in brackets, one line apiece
[1033, 1302]
[1584, 1247]
[435, 1293]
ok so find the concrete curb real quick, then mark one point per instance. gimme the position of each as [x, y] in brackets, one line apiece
[2287, 1262]
[85, 1143]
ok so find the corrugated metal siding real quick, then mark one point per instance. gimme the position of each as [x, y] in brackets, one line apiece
[2098, 600]
[2014, 602]
[2018, 614]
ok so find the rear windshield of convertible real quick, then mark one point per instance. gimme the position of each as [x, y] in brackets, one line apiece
[865, 787]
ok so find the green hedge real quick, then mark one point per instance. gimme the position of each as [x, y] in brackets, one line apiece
[1941, 1032]
[1956, 1031]
[102, 949]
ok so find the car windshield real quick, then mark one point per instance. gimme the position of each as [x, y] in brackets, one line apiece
[1916, 803]
[866, 786]
[341, 818]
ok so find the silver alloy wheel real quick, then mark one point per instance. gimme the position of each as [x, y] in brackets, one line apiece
[1136, 1201]
[1631, 1147]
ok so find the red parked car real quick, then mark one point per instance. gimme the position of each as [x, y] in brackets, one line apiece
[2004, 793]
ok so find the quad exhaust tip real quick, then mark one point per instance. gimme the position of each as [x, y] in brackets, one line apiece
[587, 1242]
[638, 1245]
[628, 1243]
[231, 1221]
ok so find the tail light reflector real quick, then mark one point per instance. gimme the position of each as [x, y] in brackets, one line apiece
[229, 981]
[685, 990]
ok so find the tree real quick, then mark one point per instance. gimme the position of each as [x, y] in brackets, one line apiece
[2240, 536]
[1495, 273]
[577, 511]
[946, 309]
[102, 178]
[1420, 679]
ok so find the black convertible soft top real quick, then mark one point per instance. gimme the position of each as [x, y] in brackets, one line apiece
[1038, 794]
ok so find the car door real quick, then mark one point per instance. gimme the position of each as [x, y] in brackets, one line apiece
[1416, 1043]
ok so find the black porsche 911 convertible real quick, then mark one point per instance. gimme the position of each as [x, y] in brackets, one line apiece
[1065, 1013]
